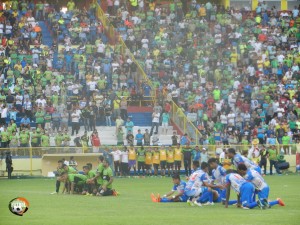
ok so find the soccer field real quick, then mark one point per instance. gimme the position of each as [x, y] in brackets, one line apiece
[134, 206]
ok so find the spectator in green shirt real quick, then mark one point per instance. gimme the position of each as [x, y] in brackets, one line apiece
[39, 117]
[4, 138]
[141, 159]
[24, 139]
[272, 155]
[286, 143]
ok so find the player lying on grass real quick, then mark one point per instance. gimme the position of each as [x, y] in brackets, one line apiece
[262, 189]
[202, 190]
[176, 194]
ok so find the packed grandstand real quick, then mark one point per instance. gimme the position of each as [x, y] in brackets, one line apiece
[232, 74]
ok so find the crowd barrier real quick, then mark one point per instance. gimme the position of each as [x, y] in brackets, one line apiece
[42, 160]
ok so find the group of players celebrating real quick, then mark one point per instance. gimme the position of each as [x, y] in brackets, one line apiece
[201, 189]
[90, 182]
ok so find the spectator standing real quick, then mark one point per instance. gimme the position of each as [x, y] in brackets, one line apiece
[139, 138]
[165, 122]
[187, 159]
[124, 162]
[120, 136]
[116, 153]
[75, 117]
[95, 141]
[272, 155]
[129, 125]
[146, 137]
[155, 121]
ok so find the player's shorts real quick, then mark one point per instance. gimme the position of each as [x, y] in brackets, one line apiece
[155, 166]
[222, 194]
[246, 193]
[190, 192]
[183, 198]
[148, 166]
[170, 165]
[78, 180]
[178, 163]
[264, 193]
[163, 164]
[131, 163]
[193, 192]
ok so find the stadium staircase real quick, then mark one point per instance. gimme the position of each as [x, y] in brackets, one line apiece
[47, 38]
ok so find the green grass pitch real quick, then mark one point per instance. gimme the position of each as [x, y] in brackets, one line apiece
[134, 207]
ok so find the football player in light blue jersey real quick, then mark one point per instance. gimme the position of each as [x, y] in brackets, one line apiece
[262, 188]
[245, 190]
[191, 189]
[218, 176]
[178, 187]
[238, 159]
[204, 186]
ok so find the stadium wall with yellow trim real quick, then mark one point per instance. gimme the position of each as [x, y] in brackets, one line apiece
[280, 4]
[48, 163]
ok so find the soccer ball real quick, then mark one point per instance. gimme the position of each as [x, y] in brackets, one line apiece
[298, 168]
[17, 209]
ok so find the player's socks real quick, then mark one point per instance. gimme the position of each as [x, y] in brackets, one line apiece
[223, 194]
[210, 197]
[254, 197]
[57, 186]
[252, 205]
[165, 200]
[232, 202]
[277, 202]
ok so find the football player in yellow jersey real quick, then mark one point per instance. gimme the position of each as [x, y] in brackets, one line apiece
[177, 158]
[156, 160]
[148, 162]
[170, 160]
[163, 160]
[132, 159]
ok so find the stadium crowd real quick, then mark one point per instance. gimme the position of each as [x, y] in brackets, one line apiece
[233, 73]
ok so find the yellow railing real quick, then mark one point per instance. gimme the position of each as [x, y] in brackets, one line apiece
[178, 117]
[124, 51]
[186, 126]
[41, 160]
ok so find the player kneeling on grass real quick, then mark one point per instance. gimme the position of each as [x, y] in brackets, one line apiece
[76, 181]
[245, 190]
[204, 187]
[107, 176]
[262, 188]
[63, 168]
[218, 176]
[89, 186]
[178, 187]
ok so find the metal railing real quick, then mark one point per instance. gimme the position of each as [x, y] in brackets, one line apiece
[177, 115]
[27, 159]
